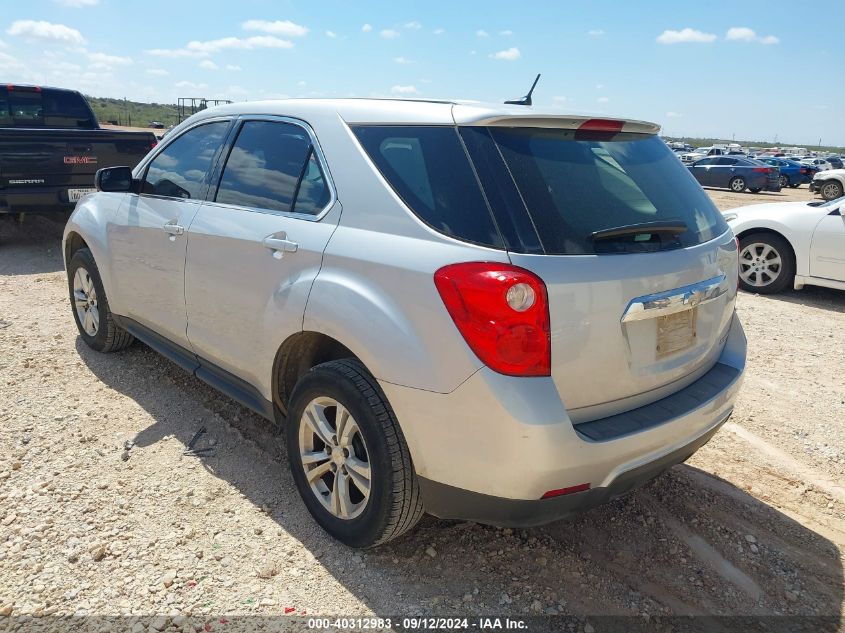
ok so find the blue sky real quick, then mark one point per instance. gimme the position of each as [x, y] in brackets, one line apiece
[753, 69]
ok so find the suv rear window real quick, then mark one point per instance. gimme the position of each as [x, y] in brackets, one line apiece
[575, 185]
[542, 190]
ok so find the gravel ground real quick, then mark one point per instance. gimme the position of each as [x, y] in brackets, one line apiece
[102, 513]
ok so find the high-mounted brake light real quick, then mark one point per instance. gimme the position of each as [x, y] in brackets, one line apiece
[502, 311]
[601, 125]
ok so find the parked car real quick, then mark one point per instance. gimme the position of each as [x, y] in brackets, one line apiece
[830, 184]
[736, 173]
[441, 344]
[702, 152]
[835, 161]
[157, 125]
[819, 163]
[792, 174]
[51, 145]
[790, 245]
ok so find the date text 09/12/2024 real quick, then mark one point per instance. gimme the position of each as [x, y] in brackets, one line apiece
[417, 624]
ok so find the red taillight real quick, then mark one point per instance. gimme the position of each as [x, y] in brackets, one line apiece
[502, 311]
[803, 170]
[762, 170]
[565, 491]
[153, 144]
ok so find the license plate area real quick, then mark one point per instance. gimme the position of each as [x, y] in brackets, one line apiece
[73, 195]
[676, 332]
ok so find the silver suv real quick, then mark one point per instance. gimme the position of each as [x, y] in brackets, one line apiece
[484, 313]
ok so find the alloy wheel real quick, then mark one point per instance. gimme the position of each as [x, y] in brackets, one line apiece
[759, 264]
[738, 185]
[335, 458]
[85, 301]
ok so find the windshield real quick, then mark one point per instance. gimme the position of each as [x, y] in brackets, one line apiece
[574, 186]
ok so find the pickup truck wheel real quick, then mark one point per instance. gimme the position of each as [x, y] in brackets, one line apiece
[831, 190]
[348, 456]
[766, 263]
[91, 307]
[737, 184]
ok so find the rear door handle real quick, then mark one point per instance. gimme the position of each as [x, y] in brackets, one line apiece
[173, 229]
[279, 244]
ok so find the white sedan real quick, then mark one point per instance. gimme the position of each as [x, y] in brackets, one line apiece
[790, 244]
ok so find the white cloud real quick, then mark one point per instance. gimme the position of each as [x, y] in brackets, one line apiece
[366, 28]
[744, 34]
[204, 49]
[673, 115]
[506, 32]
[208, 65]
[41, 30]
[389, 34]
[103, 60]
[301, 83]
[439, 31]
[510, 54]
[561, 99]
[157, 72]
[190, 85]
[599, 86]
[595, 32]
[603, 100]
[414, 25]
[331, 34]
[77, 4]
[684, 36]
[482, 33]
[3, 44]
[279, 27]
[404, 90]
[233, 67]
[472, 53]
[7, 62]
[402, 60]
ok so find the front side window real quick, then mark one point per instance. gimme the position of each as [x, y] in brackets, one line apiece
[272, 166]
[182, 169]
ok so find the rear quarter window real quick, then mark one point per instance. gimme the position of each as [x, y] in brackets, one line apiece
[430, 171]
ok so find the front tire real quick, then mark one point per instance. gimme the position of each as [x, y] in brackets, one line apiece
[349, 458]
[91, 306]
[766, 263]
[784, 181]
[831, 190]
[737, 184]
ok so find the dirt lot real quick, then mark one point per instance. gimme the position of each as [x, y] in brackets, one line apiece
[101, 513]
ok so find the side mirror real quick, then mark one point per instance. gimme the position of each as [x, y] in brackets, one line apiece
[113, 179]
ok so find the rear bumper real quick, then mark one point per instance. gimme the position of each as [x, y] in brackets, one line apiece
[815, 186]
[773, 185]
[492, 448]
[40, 200]
[449, 502]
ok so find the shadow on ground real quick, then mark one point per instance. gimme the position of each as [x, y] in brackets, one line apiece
[681, 545]
[32, 246]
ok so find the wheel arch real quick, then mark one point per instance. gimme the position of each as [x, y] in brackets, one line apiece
[299, 353]
[73, 242]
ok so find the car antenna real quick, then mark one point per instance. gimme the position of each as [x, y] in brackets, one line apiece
[526, 100]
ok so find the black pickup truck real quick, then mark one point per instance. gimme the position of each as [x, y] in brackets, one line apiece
[51, 146]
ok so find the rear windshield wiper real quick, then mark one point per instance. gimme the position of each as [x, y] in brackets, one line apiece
[644, 228]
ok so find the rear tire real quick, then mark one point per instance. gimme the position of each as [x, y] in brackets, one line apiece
[91, 306]
[794, 185]
[737, 184]
[766, 263]
[349, 458]
[831, 190]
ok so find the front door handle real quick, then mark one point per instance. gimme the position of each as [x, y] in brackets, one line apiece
[173, 229]
[279, 244]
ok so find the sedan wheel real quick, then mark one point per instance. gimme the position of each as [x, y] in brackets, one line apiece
[737, 184]
[766, 263]
[784, 181]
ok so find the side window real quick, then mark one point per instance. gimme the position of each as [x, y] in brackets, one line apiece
[181, 169]
[272, 166]
[726, 161]
[705, 161]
